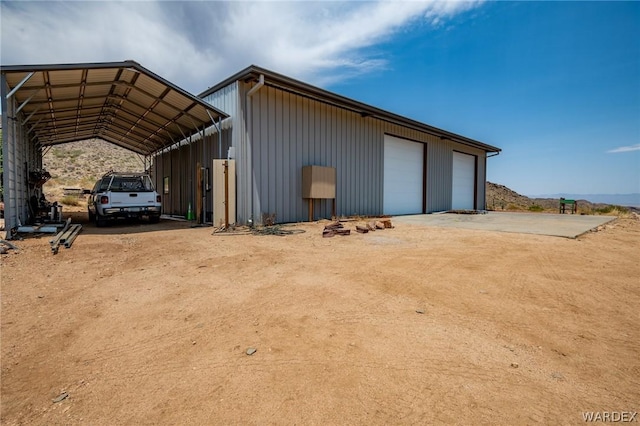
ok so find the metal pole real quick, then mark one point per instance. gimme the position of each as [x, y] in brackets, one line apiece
[19, 85]
[220, 136]
[29, 116]
[34, 125]
[226, 194]
[23, 104]
[180, 200]
[219, 128]
[190, 169]
[201, 182]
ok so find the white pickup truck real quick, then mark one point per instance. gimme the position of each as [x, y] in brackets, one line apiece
[123, 195]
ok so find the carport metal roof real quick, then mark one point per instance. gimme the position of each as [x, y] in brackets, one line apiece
[119, 102]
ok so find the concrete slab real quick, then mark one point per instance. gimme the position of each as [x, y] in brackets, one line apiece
[558, 225]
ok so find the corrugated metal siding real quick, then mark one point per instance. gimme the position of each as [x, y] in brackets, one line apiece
[287, 131]
[439, 176]
[231, 99]
[20, 155]
[290, 131]
[180, 165]
[225, 99]
[482, 179]
[438, 166]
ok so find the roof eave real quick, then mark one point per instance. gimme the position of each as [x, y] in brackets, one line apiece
[322, 95]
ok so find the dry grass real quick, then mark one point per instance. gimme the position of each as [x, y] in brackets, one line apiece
[610, 210]
[80, 164]
[70, 200]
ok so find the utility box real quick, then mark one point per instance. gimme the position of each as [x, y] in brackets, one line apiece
[224, 192]
[318, 182]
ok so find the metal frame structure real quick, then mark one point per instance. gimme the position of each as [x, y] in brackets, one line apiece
[279, 125]
[119, 102]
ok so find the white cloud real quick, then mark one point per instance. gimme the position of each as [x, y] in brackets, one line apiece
[196, 44]
[630, 148]
[98, 32]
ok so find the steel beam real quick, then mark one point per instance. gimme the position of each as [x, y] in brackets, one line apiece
[19, 85]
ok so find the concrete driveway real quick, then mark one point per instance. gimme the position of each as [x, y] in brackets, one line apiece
[558, 225]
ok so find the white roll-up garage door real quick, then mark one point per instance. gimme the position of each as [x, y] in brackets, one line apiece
[464, 178]
[403, 168]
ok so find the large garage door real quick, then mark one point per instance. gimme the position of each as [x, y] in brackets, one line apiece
[464, 179]
[403, 164]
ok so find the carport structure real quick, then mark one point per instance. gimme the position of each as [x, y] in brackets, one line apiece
[119, 102]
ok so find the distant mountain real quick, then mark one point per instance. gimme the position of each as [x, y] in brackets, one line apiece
[499, 197]
[629, 200]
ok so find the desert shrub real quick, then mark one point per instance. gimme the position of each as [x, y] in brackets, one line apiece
[70, 200]
[88, 181]
[536, 208]
[603, 210]
[494, 204]
[608, 210]
[585, 210]
[612, 210]
[513, 207]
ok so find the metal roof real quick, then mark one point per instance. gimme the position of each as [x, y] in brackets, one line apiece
[119, 102]
[291, 85]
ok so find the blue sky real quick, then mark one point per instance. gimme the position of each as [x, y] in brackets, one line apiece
[556, 85]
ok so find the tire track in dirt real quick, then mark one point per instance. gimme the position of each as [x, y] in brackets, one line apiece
[160, 338]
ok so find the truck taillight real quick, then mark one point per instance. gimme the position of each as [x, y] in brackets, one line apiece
[104, 200]
[158, 198]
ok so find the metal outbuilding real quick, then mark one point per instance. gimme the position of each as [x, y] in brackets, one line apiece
[384, 163]
[120, 102]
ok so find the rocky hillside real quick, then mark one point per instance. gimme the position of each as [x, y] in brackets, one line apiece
[499, 197]
[80, 164]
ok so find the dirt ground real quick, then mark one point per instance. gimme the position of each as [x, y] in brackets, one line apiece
[150, 324]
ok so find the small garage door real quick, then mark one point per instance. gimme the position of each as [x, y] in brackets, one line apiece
[403, 165]
[464, 179]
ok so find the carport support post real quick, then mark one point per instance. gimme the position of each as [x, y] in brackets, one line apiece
[8, 208]
[190, 171]
[226, 194]
[202, 176]
[219, 137]
[169, 150]
[226, 200]
[198, 205]
[180, 183]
